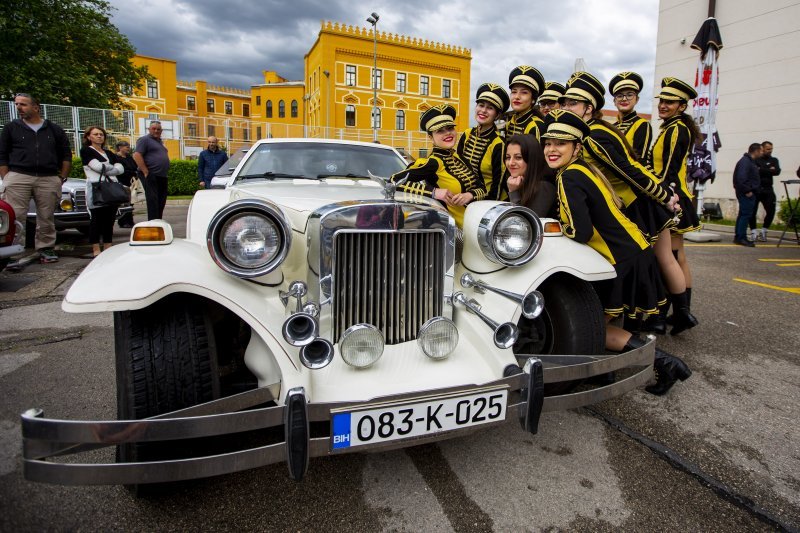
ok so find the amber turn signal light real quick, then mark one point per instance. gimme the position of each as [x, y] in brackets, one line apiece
[148, 234]
[552, 227]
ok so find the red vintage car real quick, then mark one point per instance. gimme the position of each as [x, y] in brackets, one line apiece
[9, 230]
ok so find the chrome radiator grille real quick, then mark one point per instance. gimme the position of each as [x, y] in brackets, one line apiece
[394, 281]
[80, 200]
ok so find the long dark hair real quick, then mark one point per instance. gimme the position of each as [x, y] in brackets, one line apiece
[533, 155]
[694, 129]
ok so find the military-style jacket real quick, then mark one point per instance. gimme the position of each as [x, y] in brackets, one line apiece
[483, 152]
[589, 215]
[526, 122]
[442, 170]
[605, 149]
[638, 132]
[669, 153]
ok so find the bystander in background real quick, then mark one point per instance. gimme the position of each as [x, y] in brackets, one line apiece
[768, 167]
[746, 182]
[209, 162]
[152, 160]
[125, 159]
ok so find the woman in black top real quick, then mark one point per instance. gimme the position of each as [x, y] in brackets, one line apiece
[526, 84]
[526, 182]
[590, 213]
[625, 88]
[96, 162]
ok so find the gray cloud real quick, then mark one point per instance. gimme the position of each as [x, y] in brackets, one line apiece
[230, 42]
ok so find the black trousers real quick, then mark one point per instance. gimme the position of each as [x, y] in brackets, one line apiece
[102, 224]
[155, 192]
[768, 200]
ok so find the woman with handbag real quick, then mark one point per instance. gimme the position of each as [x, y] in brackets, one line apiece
[99, 165]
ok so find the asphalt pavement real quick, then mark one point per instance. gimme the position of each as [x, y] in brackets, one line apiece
[720, 452]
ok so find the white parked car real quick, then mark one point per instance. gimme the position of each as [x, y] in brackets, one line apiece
[311, 298]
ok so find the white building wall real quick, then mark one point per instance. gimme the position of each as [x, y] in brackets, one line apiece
[759, 79]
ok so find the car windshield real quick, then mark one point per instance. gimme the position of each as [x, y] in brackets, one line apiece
[319, 160]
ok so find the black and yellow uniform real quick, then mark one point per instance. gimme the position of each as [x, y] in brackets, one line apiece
[526, 121]
[644, 198]
[638, 132]
[590, 215]
[442, 170]
[483, 152]
[668, 160]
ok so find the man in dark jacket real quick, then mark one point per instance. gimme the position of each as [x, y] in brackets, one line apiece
[209, 162]
[768, 167]
[746, 182]
[35, 159]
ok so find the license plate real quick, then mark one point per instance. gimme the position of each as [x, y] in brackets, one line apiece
[404, 421]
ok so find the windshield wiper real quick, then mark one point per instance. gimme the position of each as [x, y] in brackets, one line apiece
[348, 175]
[272, 175]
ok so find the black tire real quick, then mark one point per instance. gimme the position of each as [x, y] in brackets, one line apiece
[3, 263]
[165, 360]
[30, 233]
[572, 323]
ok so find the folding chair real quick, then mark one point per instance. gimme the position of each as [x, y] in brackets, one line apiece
[794, 215]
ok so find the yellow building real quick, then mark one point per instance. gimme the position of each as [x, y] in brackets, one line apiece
[412, 75]
[334, 100]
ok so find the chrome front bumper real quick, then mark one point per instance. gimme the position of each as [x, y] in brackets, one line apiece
[47, 438]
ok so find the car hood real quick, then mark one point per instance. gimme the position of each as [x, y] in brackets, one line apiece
[299, 198]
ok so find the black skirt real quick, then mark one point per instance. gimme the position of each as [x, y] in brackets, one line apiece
[689, 220]
[637, 290]
[651, 217]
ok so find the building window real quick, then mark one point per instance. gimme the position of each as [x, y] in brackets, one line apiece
[245, 110]
[424, 82]
[258, 132]
[350, 75]
[269, 108]
[127, 90]
[246, 134]
[211, 130]
[210, 105]
[230, 133]
[350, 115]
[400, 120]
[401, 82]
[377, 79]
[445, 88]
[376, 117]
[152, 89]
[281, 109]
[229, 108]
[294, 108]
[190, 103]
[192, 129]
[258, 99]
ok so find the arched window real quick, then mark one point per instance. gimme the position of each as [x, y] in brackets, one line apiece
[269, 108]
[294, 108]
[400, 120]
[281, 109]
[350, 115]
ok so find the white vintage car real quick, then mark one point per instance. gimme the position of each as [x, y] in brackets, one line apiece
[313, 298]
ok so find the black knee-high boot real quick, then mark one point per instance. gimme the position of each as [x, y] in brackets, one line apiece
[682, 318]
[668, 368]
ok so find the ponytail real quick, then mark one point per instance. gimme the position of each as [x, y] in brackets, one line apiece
[694, 129]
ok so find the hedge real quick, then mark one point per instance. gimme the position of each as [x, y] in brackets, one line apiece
[182, 176]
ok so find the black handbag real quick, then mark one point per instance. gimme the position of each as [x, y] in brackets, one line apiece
[109, 193]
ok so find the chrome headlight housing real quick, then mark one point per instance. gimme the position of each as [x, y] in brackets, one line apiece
[249, 238]
[5, 222]
[510, 235]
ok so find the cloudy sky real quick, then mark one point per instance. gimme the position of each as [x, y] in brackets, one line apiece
[229, 42]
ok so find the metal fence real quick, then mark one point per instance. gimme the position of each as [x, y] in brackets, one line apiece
[188, 133]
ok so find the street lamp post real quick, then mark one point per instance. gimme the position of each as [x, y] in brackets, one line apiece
[327, 103]
[373, 19]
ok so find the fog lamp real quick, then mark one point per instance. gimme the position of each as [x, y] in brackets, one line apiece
[361, 345]
[438, 337]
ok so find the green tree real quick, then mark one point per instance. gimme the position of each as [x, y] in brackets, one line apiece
[65, 52]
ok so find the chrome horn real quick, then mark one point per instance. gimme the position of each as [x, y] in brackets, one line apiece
[532, 304]
[505, 334]
[297, 289]
[301, 328]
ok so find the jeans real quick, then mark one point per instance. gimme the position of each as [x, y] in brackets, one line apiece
[747, 206]
[155, 192]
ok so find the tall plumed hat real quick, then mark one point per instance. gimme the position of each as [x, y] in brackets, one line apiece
[565, 125]
[552, 91]
[625, 80]
[438, 117]
[675, 89]
[584, 87]
[493, 94]
[528, 76]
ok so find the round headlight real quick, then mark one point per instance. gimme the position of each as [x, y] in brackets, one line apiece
[510, 235]
[438, 337]
[66, 204]
[361, 345]
[248, 238]
[513, 236]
